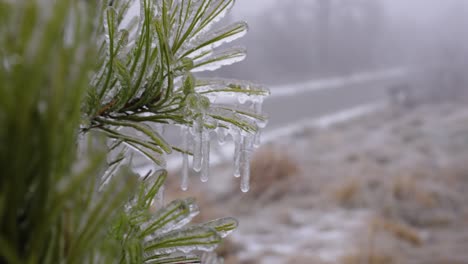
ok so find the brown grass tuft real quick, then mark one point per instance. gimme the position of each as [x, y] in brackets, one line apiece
[346, 194]
[398, 230]
[373, 258]
[272, 172]
[409, 188]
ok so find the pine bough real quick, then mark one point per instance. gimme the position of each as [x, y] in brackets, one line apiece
[69, 197]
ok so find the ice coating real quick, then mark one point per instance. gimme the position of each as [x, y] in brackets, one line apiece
[224, 226]
[176, 214]
[230, 108]
[109, 25]
[243, 121]
[209, 20]
[220, 59]
[255, 92]
[195, 238]
[213, 39]
[159, 198]
[211, 17]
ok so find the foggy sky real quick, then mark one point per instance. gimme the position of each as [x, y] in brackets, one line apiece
[419, 11]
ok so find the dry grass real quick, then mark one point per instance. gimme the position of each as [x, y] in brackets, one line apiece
[273, 172]
[360, 258]
[412, 185]
[303, 259]
[410, 188]
[346, 194]
[398, 230]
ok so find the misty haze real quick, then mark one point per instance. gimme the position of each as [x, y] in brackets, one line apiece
[364, 157]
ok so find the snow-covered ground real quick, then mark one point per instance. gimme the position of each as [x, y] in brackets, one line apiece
[388, 184]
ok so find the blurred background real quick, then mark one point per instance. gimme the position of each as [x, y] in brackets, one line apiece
[364, 159]
[294, 41]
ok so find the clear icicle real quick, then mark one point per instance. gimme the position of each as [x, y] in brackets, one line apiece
[245, 177]
[237, 155]
[197, 148]
[257, 139]
[185, 173]
[257, 107]
[221, 133]
[245, 163]
[205, 170]
[185, 167]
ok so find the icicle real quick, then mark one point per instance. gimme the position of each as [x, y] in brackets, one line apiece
[245, 163]
[257, 107]
[197, 148]
[257, 139]
[221, 134]
[237, 154]
[245, 177]
[185, 170]
[205, 170]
